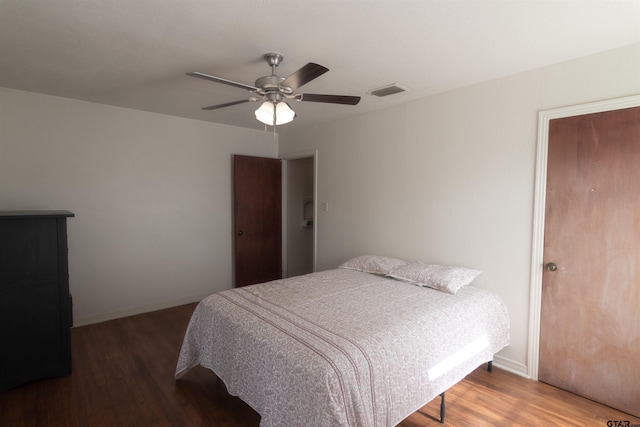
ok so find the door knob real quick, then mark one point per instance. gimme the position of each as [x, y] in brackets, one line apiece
[551, 266]
[240, 233]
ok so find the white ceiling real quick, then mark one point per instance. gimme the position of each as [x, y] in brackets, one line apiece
[135, 53]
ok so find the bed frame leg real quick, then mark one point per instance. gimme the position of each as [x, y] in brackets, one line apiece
[442, 403]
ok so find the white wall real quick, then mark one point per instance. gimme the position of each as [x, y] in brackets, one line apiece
[450, 178]
[151, 194]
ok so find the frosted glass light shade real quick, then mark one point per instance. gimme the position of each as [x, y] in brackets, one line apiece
[264, 114]
[284, 113]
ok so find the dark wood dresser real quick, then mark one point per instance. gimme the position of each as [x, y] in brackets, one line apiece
[35, 304]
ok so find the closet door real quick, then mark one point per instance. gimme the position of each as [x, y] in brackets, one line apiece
[589, 330]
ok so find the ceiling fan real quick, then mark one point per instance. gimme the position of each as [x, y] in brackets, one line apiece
[274, 91]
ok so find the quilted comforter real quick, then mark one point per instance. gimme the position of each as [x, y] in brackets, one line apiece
[342, 347]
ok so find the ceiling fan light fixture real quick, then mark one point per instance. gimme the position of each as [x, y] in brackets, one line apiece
[274, 114]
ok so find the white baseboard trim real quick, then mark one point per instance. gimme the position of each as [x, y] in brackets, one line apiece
[132, 311]
[511, 366]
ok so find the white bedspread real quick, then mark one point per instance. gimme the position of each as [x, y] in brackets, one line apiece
[341, 347]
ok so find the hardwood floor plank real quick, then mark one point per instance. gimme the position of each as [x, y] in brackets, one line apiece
[123, 376]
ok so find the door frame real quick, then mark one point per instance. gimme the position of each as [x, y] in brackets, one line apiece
[537, 249]
[294, 156]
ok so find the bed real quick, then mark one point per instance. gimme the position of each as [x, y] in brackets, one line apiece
[343, 347]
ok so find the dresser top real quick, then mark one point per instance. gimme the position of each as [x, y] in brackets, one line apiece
[31, 214]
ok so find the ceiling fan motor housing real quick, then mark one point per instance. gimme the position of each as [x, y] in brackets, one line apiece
[269, 82]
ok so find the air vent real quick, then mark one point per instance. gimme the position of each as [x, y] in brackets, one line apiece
[387, 90]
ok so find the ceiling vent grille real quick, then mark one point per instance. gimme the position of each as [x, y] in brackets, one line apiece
[387, 90]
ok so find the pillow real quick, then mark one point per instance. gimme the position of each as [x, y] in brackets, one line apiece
[440, 277]
[374, 264]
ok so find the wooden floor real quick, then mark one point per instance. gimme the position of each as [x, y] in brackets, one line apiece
[123, 376]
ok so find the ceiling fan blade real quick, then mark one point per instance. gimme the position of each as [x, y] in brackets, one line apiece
[304, 75]
[228, 104]
[221, 80]
[332, 99]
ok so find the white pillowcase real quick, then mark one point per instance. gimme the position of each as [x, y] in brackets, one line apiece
[374, 264]
[442, 278]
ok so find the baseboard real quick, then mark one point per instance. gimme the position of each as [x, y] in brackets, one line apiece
[511, 366]
[104, 317]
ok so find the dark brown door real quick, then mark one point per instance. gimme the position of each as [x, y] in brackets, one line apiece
[590, 315]
[257, 219]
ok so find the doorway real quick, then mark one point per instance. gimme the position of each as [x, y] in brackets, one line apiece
[538, 268]
[299, 213]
